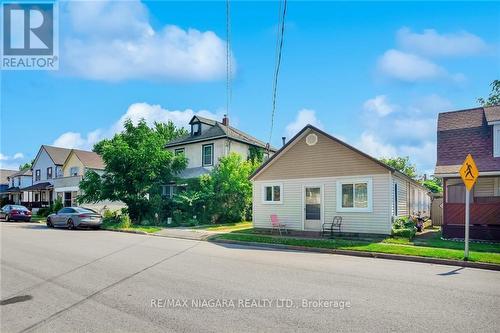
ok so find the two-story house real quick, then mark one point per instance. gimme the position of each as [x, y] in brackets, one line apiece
[476, 132]
[18, 181]
[207, 142]
[46, 167]
[77, 164]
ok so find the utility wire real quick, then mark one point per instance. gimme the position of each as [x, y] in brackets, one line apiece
[229, 91]
[279, 52]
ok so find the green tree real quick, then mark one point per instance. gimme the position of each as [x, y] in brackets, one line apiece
[136, 165]
[434, 184]
[494, 97]
[402, 164]
[26, 166]
[227, 191]
[256, 154]
[168, 131]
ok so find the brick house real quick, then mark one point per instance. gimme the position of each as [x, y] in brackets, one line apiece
[475, 131]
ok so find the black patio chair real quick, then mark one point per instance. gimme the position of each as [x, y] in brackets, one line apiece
[335, 225]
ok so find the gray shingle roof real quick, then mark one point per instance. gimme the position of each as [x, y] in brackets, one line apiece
[4, 173]
[218, 130]
[57, 154]
[492, 113]
[90, 159]
[25, 172]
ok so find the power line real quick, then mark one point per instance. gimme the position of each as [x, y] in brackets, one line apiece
[228, 58]
[279, 52]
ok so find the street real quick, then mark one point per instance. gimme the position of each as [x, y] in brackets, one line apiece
[56, 280]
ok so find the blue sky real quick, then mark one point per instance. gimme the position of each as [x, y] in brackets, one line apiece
[373, 74]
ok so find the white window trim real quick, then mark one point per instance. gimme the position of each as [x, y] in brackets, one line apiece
[496, 140]
[368, 209]
[263, 192]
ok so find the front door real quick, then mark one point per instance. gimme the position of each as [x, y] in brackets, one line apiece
[312, 208]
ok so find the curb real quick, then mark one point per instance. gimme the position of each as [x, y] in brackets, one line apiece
[127, 231]
[428, 260]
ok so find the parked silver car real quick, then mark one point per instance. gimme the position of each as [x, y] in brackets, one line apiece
[75, 217]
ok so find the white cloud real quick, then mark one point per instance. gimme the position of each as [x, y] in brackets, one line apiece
[114, 41]
[373, 145]
[432, 43]
[10, 162]
[304, 117]
[135, 112]
[408, 67]
[379, 105]
[410, 130]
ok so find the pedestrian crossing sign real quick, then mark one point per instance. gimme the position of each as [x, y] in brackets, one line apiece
[469, 172]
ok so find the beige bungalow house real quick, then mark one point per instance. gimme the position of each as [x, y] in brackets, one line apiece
[316, 176]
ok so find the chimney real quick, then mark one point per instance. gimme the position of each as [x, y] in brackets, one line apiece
[283, 139]
[225, 120]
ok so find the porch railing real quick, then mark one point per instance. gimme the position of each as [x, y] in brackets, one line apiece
[480, 213]
[35, 204]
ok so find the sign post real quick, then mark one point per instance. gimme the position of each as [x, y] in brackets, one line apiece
[469, 174]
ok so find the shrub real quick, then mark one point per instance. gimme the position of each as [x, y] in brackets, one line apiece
[43, 212]
[405, 233]
[404, 227]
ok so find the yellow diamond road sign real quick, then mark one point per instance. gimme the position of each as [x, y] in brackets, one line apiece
[469, 172]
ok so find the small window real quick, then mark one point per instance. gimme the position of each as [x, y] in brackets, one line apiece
[354, 196]
[207, 155]
[49, 173]
[168, 190]
[37, 175]
[496, 140]
[179, 151]
[196, 129]
[395, 199]
[272, 193]
[18, 181]
[73, 171]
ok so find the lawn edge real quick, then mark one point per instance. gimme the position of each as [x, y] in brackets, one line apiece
[365, 254]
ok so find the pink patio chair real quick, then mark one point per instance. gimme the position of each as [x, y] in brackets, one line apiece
[276, 224]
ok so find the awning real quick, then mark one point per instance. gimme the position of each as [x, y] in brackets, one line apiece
[39, 187]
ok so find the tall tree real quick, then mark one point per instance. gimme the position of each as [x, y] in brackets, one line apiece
[136, 164]
[494, 97]
[227, 190]
[26, 166]
[402, 164]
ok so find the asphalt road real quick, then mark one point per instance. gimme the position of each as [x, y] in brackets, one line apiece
[99, 281]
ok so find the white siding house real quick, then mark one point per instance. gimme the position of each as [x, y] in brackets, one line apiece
[315, 177]
[207, 142]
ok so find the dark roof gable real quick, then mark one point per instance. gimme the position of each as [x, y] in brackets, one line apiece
[466, 132]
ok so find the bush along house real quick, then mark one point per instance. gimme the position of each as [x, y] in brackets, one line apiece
[316, 177]
[207, 142]
[476, 132]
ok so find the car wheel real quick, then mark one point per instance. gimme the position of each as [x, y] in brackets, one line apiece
[7, 218]
[70, 224]
[49, 223]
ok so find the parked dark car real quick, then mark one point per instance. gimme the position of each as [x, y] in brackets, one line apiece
[15, 213]
[75, 217]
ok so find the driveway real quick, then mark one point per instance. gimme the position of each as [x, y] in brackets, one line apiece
[55, 280]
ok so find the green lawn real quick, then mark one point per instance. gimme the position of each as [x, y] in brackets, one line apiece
[118, 226]
[489, 253]
[226, 227]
